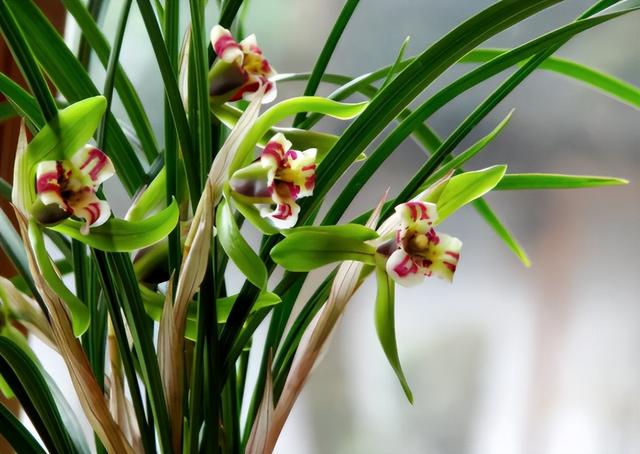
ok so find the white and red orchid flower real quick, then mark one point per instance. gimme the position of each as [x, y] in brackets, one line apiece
[240, 70]
[68, 188]
[418, 250]
[291, 175]
[277, 179]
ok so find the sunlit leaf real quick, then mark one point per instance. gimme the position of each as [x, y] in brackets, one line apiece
[118, 235]
[467, 187]
[525, 181]
[307, 250]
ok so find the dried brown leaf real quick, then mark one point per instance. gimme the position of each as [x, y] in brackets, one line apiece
[92, 400]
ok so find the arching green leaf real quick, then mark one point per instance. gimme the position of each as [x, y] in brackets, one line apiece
[118, 235]
[237, 247]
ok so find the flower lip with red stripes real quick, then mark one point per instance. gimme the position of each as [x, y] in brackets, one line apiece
[68, 188]
[417, 250]
[290, 176]
[240, 69]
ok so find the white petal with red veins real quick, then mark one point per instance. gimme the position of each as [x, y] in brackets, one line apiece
[93, 163]
[403, 269]
[445, 256]
[417, 215]
[225, 47]
[94, 211]
[48, 189]
[284, 216]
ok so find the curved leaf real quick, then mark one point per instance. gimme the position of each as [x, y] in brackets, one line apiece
[456, 162]
[301, 139]
[80, 315]
[354, 231]
[467, 187]
[118, 235]
[153, 304]
[16, 434]
[287, 108]
[237, 248]
[385, 326]
[307, 250]
[483, 208]
[25, 379]
[22, 101]
[598, 80]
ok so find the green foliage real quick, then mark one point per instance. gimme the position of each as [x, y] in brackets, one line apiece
[118, 235]
[167, 209]
[238, 249]
[385, 325]
[465, 188]
[305, 250]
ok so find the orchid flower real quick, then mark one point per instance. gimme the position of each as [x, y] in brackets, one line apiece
[240, 69]
[279, 177]
[417, 250]
[68, 188]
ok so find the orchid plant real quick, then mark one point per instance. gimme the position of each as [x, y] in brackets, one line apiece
[138, 308]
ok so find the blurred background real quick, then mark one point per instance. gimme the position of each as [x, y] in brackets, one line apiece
[507, 359]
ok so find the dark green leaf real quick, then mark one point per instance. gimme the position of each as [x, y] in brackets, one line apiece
[28, 384]
[16, 434]
[327, 51]
[22, 101]
[66, 72]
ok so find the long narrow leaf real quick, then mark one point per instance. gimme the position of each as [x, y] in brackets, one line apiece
[411, 81]
[16, 434]
[75, 84]
[128, 95]
[329, 47]
[28, 384]
[525, 181]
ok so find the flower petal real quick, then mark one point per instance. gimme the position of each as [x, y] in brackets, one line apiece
[403, 269]
[417, 215]
[302, 170]
[284, 216]
[95, 212]
[445, 255]
[93, 163]
[48, 177]
[225, 46]
[254, 62]
[273, 154]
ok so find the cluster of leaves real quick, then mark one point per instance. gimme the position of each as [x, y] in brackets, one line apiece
[187, 388]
